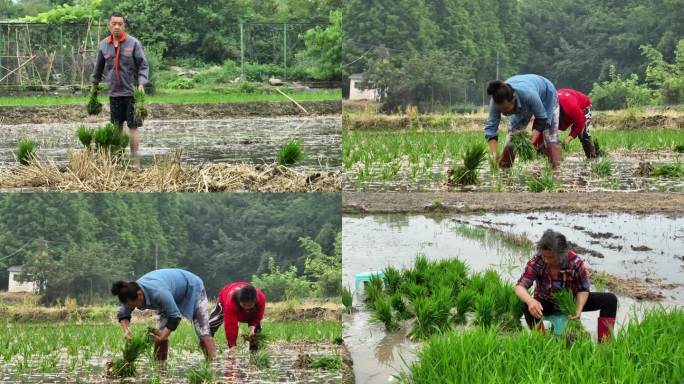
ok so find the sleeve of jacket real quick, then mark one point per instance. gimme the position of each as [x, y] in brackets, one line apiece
[96, 77]
[142, 65]
[540, 116]
[169, 309]
[230, 325]
[124, 313]
[492, 126]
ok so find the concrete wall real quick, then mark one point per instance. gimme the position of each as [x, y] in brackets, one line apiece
[16, 286]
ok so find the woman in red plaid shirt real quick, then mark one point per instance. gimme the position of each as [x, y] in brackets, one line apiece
[556, 267]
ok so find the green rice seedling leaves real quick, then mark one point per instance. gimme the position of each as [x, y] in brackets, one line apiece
[132, 350]
[467, 174]
[392, 279]
[669, 170]
[26, 151]
[566, 302]
[94, 107]
[291, 153]
[331, 363]
[399, 305]
[257, 341]
[85, 136]
[543, 182]
[679, 148]
[485, 308]
[202, 375]
[260, 359]
[109, 138]
[465, 302]
[523, 146]
[139, 109]
[383, 313]
[373, 289]
[603, 167]
[347, 298]
[432, 314]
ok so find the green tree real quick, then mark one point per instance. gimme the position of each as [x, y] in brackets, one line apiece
[324, 49]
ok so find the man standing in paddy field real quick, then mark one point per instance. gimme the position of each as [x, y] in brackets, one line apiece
[121, 62]
[524, 98]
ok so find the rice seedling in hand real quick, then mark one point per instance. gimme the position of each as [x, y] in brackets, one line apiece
[347, 298]
[603, 167]
[291, 153]
[383, 313]
[260, 359]
[523, 146]
[566, 302]
[139, 110]
[202, 375]
[125, 366]
[94, 107]
[392, 279]
[467, 174]
[257, 341]
[85, 136]
[26, 151]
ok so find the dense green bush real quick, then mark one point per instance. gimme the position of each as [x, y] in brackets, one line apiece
[619, 93]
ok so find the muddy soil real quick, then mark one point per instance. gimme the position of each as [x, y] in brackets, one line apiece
[571, 202]
[10, 115]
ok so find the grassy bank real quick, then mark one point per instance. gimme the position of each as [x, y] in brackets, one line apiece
[649, 351]
[200, 96]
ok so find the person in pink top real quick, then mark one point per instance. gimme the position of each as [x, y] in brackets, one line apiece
[238, 302]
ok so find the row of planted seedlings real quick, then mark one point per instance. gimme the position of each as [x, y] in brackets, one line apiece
[416, 155]
[438, 296]
[97, 348]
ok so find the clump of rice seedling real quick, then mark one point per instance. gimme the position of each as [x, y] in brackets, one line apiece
[467, 174]
[383, 313]
[291, 153]
[465, 302]
[669, 170]
[432, 314]
[94, 107]
[566, 302]
[85, 136]
[347, 298]
[331, 363]
[679, 148]
[392, 279]
[414, 290]
[110, 138]
[139, 110]
[26, 151]
[202, 374]
[523, 146]
[373, 290]
[485, 310]
[400, 307]
[543, 182]
[602, 167]
[261, 359]
[125, 366]
[257, 341]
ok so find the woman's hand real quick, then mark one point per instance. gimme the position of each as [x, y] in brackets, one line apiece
[576, 316]
[535, 308]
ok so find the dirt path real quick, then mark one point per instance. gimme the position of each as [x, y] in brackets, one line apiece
[418, 202]
[11, 115]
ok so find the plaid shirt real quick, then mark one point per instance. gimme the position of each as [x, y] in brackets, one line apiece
[572, 275]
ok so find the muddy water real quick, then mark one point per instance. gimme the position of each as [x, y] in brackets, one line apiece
[228, 370]
[241, 140]
[395, 239]
[575, 174]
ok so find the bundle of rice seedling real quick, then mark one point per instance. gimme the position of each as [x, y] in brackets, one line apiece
[139, 110]
[125, 366]
[26, 151]
[524, 149]
[260, 359]
[383, 313]
[400, 307]
[347, 298]
[257, 341]
[85, 136]
[485, 308]
[574, 330]
[465, 302]
[201, 375]
[110, 138]
[432, 314]
[291, 153]
[392, 279]
[467, 174]
[94, 107]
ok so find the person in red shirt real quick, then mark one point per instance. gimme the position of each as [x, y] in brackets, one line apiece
[238, 302]
[575, 112]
